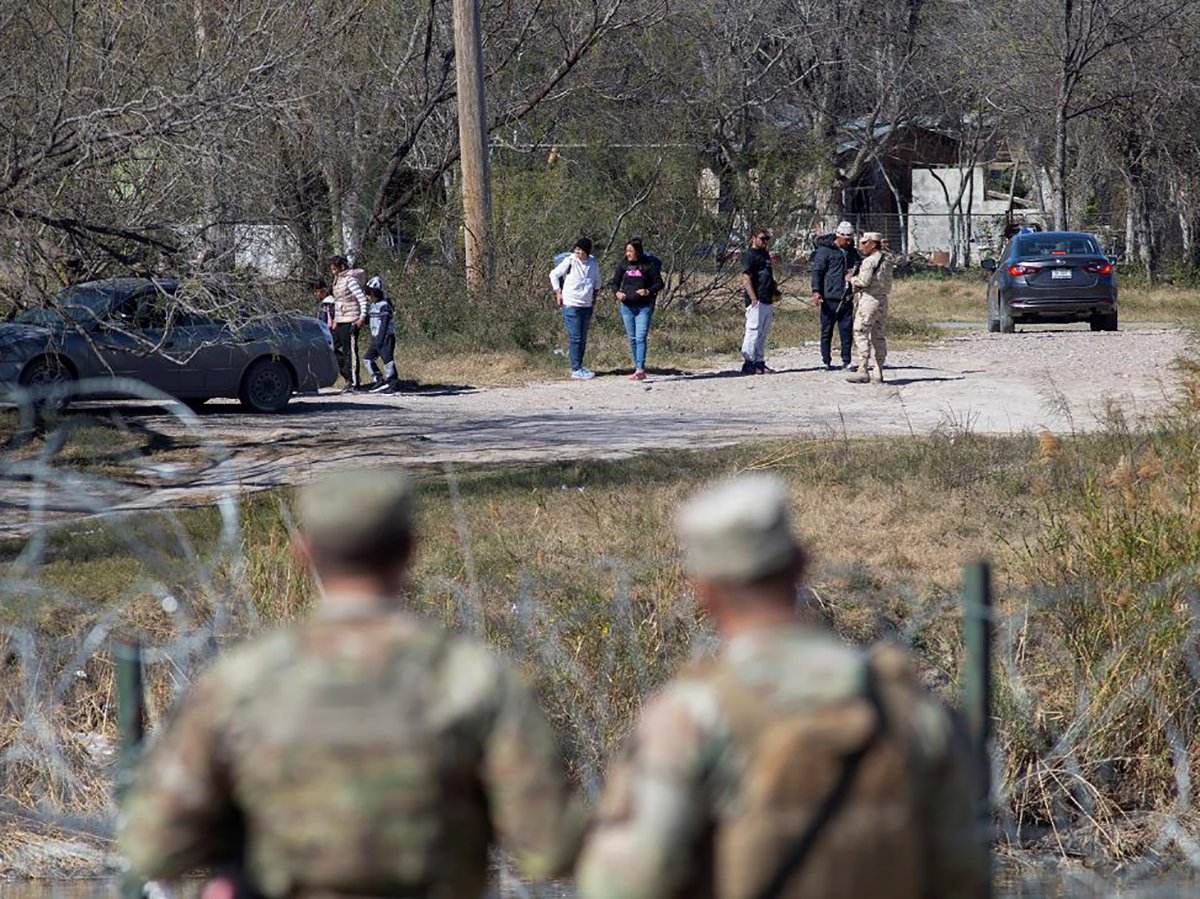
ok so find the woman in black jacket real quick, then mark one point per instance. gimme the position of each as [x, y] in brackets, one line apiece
[637, 282]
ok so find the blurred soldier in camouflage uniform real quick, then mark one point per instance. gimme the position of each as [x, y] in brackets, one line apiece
[872, 283]
[792, 765]
[365, 753]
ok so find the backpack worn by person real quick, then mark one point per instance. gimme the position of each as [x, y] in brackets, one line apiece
[827, 805]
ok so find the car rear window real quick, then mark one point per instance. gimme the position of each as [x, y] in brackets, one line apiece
[1057, 245]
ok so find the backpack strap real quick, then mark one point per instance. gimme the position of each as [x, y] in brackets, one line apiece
[834, 800]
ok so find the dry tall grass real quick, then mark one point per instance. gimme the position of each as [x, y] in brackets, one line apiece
[571, 568]
[1101, 719]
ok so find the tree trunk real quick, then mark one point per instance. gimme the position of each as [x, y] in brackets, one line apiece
[1189, 223]
[473, 145]
[1146, 250]
[1130, 229]
[1058, 181]
[337, 208]
[216, 241]
[901, 216]
[1139, 205]
[350, 215]
[337, 230]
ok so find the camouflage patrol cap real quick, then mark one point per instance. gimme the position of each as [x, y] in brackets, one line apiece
[357, 513]
[738, 530]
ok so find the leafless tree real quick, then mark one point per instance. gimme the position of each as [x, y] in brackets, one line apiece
[1061, 55]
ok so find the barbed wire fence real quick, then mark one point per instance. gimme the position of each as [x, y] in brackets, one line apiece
[1059, 832]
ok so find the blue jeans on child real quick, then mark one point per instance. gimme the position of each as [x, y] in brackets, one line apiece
[577, 319]
[637, 326]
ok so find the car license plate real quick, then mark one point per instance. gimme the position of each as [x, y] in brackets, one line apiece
[1060, 274]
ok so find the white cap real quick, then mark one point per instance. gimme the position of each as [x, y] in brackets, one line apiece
[376, 282]
[844, 229]
[738, 530]
[872, 236]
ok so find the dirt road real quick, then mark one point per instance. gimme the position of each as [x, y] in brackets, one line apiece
[991, 383]
[1055, 378]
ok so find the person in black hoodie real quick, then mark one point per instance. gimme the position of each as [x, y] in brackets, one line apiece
[637, 282]
[834, 258]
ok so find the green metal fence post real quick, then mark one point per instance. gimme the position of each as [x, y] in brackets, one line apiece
[977, 675]
[127, 659]
[977, 679]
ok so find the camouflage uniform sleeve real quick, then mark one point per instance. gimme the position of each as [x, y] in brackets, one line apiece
[866, 272]
[651, 821]
[959, 864]
[535, 812]
[179, 813]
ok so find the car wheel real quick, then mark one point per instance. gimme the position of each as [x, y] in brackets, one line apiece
[1108, 322]
[266, 387]
[1006, 323]
[50, 377]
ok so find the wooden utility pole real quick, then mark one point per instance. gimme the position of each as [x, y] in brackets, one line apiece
[472, 140]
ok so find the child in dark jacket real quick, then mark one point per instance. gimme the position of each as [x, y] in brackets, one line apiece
[324, 300]
[383, 339]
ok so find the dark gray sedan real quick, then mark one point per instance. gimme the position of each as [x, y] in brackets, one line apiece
[146, 330]
[1051, 276]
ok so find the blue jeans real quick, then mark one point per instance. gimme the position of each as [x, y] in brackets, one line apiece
[637, 326]
[577, 319]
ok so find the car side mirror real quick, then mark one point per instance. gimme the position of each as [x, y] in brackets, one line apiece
[988, 265]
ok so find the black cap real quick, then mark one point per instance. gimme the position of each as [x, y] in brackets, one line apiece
[585, 244]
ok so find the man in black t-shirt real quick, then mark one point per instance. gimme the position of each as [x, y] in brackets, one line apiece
[759, 293]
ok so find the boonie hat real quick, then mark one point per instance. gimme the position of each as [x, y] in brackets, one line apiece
[737, 530]
[844, 229]
[872, 235]
[351, 509]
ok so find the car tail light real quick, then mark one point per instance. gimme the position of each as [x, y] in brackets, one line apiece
[1099, 268]
[1018, 270]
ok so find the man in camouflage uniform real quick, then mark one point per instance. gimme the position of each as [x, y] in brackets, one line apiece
[871, 284]
[365, 753]
[792, 765]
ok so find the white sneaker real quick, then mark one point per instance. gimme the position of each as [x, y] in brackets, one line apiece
[583, 374]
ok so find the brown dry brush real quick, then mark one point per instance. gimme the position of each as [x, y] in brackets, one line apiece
[1099, 718]
[1099, 661]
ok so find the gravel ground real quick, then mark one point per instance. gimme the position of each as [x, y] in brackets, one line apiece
[1056, 378]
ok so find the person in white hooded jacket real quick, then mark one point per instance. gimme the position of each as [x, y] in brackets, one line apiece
[575, 281]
